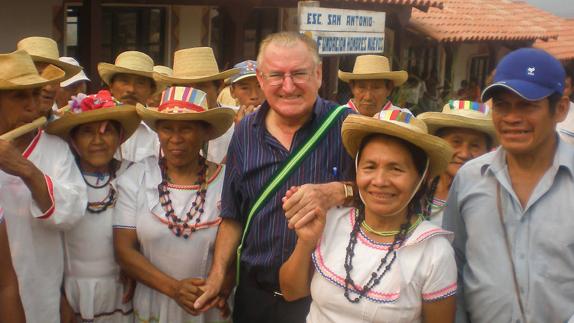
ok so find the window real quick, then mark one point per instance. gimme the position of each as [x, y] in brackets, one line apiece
[479, 70]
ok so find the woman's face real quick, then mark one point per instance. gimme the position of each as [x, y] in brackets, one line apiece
[467, 144]
[386, 176]
[181, 141]
[95, 143]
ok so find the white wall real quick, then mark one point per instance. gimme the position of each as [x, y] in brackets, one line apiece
[461, 62]
[190, 25]
[24, 18]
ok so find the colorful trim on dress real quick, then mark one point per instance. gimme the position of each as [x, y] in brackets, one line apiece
[50, 211]
[120, 226]
[32, 145]
[195, 187]
[377, 297]
[440, 294]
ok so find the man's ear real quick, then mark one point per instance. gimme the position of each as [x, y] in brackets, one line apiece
[562, 108]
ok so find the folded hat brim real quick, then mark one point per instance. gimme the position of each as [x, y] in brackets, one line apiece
[398, 77]
[188, 79]
[526, 90]
[219, 119]
[30, 81]
[439, 120]
[69, 69]
[356, 128]
[126, 115]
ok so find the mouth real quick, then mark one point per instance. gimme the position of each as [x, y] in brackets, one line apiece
[385, 197]
[290, 97]
[515, 133]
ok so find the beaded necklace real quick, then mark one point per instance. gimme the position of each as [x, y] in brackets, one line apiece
[431, 200]
[391, 233]
[181, 226]
[381, 270]
[111, 197]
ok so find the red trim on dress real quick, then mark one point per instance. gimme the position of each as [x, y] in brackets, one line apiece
[50, 211]
[32, 145]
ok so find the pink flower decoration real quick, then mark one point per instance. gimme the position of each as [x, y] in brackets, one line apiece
[82, 102]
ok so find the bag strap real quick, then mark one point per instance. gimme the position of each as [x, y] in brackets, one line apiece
[509, 251]
[281, 176]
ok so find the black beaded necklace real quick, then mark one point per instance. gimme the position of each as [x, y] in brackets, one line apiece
[181, 227]
[384, 266]
[111, 197]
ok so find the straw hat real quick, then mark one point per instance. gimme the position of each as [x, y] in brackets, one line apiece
[188, 104]
[160, 69]
[193, 65]
[373, 67]
[17, 71]
[45, 50]
[398, 124]
[461, 114]
[130, 62]
[91, 108]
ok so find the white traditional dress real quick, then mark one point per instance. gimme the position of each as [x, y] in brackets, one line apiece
[437, 207]
[91, 277]
[217, 148]
[36, 237]
[423, 271]
[138, 208]
[139, 146]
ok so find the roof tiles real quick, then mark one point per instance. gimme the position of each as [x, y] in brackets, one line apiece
[562, 47]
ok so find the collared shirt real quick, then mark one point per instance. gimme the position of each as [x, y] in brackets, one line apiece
[255, 156]
[540, 234]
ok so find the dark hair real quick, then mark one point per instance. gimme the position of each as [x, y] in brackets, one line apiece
[419, 159]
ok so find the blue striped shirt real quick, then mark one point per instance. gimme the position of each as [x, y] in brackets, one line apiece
[254, 156]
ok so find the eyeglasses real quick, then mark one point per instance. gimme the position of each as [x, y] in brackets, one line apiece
[276, 78]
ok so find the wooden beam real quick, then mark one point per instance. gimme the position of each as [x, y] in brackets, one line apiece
[90, 39]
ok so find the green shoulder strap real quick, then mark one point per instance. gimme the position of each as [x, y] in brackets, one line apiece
[290, 165]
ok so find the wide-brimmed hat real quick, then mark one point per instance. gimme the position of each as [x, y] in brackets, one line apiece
[45, 50]
[193, 65]
[187, 104]
[401, 125]
[130, 62]
[81, 76]
[91, 108]
[373, 67]
[461, 114]
[17, 71]
[165, 70]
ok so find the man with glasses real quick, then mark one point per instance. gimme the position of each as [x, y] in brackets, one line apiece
[289, 72]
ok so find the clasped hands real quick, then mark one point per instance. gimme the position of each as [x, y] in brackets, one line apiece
[187, 291]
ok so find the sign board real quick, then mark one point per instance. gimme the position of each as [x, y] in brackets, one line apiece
[339, 31]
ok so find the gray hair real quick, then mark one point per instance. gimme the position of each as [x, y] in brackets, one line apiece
[288, 39]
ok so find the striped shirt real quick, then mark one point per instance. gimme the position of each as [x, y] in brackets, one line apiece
[254, 156]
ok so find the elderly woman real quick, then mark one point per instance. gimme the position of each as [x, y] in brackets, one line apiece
[467, 127]
[168, 209]
[380, 261]
[94, 127]
[10, 304]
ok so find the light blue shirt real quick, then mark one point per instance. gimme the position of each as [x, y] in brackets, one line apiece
[541, 237]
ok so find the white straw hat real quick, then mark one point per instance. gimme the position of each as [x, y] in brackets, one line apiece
[45, 50]
[17, 71]
[373, 67]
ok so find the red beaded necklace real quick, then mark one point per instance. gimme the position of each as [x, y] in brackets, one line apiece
[181, 226]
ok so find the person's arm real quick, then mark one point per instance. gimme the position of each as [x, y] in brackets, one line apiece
[11, 310]
[441, 311]
[226, 243]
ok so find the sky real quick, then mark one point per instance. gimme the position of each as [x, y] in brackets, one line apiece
[563, 8]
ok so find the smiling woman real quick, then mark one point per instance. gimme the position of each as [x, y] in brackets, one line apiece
[394, 267]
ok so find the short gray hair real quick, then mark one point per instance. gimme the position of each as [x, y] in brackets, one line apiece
[289, 39]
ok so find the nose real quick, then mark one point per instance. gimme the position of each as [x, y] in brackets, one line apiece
[176, 137]
[129, 87]
[288, 85]
[381, 178]
[367, 94]
[464, 152]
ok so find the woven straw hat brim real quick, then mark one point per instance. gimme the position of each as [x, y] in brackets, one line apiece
[107, 71]
[398, 77]
[187, 79]
[126, 115]
[31, 81]
[220, 119]
[356, 128]
[438, 120]
[69, 69]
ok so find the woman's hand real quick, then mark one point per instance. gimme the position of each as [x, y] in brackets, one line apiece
[187, 292]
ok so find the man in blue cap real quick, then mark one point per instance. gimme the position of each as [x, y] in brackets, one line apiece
[511, 209]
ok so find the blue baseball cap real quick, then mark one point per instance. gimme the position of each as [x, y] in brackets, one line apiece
[246, 69]
[531, 73]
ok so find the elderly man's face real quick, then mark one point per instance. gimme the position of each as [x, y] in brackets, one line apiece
[18, 107]
[131, 89]
[522, 126]
[300, 77]
[48, 93]
[370, 96]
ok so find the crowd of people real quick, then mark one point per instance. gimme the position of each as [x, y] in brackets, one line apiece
[191, 194]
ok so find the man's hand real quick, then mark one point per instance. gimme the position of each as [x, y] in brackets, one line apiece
[11, 160]
[188, 290]
[301, 203]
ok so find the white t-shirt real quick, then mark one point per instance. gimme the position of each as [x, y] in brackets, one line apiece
[424, 270]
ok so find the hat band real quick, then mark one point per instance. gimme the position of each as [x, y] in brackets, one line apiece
[177, 106]
[468, 105]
